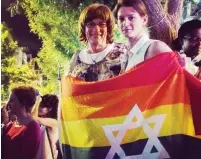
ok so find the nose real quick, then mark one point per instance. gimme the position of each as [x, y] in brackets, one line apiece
[97, 28]
[125, 22]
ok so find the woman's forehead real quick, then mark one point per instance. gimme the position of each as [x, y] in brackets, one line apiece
[98, 20]
[126, 11]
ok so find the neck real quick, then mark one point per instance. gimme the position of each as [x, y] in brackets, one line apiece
[95, 48]
[133, 40]
[24, 118]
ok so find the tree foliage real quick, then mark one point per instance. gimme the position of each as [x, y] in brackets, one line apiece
[11, 73]
[56, 24]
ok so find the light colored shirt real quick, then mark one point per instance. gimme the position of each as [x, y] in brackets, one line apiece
[89, 58]
[138, 51]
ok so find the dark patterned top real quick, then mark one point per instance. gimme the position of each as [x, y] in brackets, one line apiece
[113, 64]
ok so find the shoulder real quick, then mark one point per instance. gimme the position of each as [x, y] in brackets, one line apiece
[75, 55]
[33, 126]
[157, 47]
[73, 62]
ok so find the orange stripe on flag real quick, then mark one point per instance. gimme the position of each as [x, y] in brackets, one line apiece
[120, 102]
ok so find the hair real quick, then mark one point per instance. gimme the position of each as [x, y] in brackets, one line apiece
[186, 28]
[50, 101]
[26, 96]
[94, 11]
[138, 5]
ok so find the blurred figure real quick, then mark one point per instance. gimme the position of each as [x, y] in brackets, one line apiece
[22, 138]
[189, 44]
[45, 113]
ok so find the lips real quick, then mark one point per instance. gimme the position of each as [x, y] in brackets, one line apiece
[95, 34]
[127, 30]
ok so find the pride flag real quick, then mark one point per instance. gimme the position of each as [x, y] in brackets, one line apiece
[150, 112]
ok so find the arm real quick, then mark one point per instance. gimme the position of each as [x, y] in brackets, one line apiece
[34, 111]
[49, 122]
[198, 74]
[156, 48]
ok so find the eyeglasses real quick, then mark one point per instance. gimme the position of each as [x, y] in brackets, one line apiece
[193, 39]
[93, 25]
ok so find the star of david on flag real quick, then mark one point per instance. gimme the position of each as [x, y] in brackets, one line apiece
[152, 134]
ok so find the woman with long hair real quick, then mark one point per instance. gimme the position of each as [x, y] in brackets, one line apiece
[45, 112]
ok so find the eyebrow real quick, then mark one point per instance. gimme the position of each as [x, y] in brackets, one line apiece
[127, 15]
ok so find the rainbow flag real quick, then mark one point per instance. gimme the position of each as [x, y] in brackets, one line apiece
[150, 112]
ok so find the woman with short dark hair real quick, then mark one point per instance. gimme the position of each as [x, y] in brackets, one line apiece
[22, 138]
[189, 44]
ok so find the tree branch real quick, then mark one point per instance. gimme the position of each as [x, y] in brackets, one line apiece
[175, 7]
[154, 8]
[174, 10]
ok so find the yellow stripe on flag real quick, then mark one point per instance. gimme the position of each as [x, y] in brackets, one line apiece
[90, 133]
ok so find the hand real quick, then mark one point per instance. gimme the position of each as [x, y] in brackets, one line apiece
[181, 59]
[38, 100]
[34, 111]
[198, 74]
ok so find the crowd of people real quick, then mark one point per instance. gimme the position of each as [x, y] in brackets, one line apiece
[29, 121]
[33, 133]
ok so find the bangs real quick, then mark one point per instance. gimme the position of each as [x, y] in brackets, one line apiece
[98, 12]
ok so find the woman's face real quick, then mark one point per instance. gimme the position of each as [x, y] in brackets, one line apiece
[96, 32]
[13, 104]
[191, 43]
[43, 111]
[131, 22]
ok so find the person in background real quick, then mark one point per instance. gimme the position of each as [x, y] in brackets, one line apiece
[4, 116]
[132, 19]
[188, 43]
[21, 139]
[45, 112]
[102, 59]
